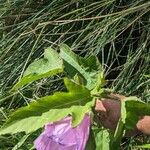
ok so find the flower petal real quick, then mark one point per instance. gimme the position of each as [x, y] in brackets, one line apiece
[41, 142]
[61, 136]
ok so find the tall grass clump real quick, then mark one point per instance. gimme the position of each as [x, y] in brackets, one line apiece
[117, 31]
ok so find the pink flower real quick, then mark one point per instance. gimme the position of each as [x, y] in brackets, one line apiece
[61, 136]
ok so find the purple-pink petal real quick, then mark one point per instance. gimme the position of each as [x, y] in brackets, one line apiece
[61, 136]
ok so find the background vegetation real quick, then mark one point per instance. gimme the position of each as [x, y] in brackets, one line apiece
[117, 31]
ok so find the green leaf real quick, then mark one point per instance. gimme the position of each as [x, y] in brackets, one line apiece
[32, 123]
[21, 142]
[50, 65]
[143, 146]
[102, 138]
[135, 105]
[76, 102]
[91, 142]
[135, 108]
[116, 139]
[131, 109]
[89, 68]
[131, 120]
[148, 76]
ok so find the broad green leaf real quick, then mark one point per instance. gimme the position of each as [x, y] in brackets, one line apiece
[133, 104]
[131, 120]
[32, 123]
[50, 65]
[89, 68]
[102, 138]
[131, 109]
[135, 108]
[51, 108]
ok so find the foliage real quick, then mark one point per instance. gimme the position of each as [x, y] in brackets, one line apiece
[146, 146]
[89, 68]
[117, 32]
[50, 65]
[49, 109]
[102, 134]
[78, 101]
[131, 109]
